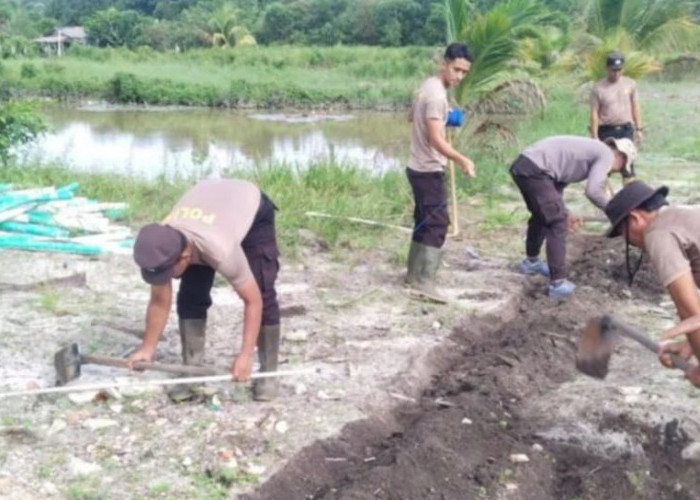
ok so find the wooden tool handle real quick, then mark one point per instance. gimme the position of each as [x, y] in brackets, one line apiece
[613, 323]
[161, 367]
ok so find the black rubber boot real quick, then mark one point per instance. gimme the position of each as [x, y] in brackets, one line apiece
[265, 389]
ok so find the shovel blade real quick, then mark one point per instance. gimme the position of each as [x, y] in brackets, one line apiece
[67, 364]
[594, 349]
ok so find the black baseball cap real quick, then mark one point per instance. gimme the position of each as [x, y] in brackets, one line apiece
[156, 251]
[615, 60]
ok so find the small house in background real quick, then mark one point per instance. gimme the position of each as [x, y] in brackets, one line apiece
[61, 38]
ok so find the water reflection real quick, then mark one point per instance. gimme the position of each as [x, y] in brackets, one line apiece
[176, 142]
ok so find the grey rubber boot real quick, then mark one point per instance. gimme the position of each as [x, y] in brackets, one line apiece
[413, 266]
[428, 261]
[265, 389]
[192, 337]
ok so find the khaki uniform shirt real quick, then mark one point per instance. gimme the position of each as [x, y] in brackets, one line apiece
[429, 104]
[613, 101]
[673, 243]
[215, 215]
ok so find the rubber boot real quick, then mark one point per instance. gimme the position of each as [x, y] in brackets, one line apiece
[265, 389]
[428, 261]
[192, 337]
[413, 266]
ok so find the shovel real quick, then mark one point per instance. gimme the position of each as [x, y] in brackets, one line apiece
[69, 360]
[598, 340]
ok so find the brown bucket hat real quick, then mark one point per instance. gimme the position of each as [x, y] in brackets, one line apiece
[632, 196]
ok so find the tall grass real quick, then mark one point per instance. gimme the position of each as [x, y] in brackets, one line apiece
[357, 77]
[334, 189]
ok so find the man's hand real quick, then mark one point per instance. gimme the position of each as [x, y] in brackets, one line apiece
[241, 368]
[142, 354]
[638, 136]
[574, 222]
[467, 166]
[681, 348]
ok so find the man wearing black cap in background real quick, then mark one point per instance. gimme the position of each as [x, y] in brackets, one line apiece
[671, 237]
[615, 110]
[222, 225]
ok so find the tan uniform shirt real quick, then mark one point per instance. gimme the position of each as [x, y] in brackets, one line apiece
[215, 215]
[614, 100]
[429, 104]
[673, 243]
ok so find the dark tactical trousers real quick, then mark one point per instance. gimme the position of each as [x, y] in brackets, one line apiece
[543, 197]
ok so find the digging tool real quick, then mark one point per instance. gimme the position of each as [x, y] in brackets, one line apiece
[69, 360]
[597, 342]
[152, 383]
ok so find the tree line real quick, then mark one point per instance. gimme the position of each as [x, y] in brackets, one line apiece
[184, 24]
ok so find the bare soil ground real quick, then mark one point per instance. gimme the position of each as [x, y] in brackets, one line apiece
[479, 399]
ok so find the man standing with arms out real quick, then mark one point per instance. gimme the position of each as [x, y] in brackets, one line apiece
[541, 172]
[615, 108]
[430, 151]
[223, 225]
[671, 237]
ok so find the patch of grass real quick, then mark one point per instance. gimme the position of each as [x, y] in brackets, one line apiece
[85, 489]
[159, 489]
[259, 76]
[207, 487]
[48, 301]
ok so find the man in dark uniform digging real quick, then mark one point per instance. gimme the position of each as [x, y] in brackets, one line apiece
[541, 172]
[222, 225]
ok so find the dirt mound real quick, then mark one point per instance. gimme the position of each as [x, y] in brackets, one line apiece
[603, 267]
[467, 437]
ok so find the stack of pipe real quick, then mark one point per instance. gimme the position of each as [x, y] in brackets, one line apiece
[51, 219]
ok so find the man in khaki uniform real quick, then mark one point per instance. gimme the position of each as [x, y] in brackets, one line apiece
[671, 237]
[430, 151]
[615, 108]
[223, 225]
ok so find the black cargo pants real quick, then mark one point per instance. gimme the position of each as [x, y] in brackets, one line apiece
[548, 215]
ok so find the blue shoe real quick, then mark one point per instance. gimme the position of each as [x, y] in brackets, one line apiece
[538, 266]
[560, 289]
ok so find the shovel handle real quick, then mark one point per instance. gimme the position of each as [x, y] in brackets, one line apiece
[142, 365]
[612, 323]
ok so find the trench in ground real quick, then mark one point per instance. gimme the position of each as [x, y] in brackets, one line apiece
[457, 440]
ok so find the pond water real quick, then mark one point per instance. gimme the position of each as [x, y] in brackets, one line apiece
[148, 143]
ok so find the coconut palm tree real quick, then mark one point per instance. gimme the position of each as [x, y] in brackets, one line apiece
[644, 30]
[223, 30]
[494, 37]
[656, 26]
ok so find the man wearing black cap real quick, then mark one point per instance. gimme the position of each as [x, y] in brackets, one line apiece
[615, 108]
[222, 225]
[671, 237]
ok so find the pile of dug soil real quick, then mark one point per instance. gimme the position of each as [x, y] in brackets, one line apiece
[466, 436]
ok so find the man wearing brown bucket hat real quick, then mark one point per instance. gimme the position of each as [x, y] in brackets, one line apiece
[671, 238]
[223, 225]
[541, 172]
[615, 110]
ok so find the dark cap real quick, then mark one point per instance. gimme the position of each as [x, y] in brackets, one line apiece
[156, 251]
[615, 60]
[629, 198]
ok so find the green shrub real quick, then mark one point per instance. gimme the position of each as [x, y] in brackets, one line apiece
[28, 70]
